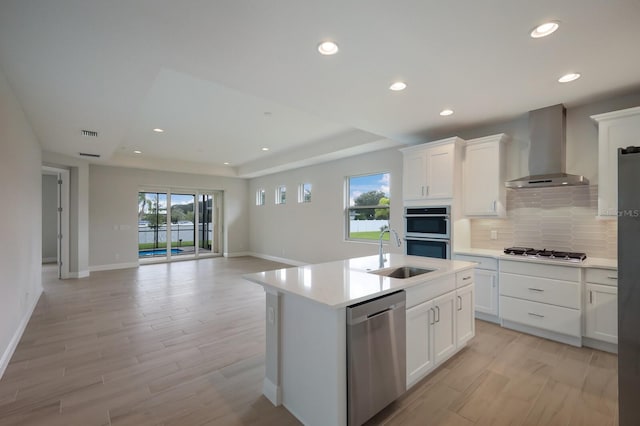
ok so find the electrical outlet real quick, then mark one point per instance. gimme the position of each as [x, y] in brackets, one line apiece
[494, 234]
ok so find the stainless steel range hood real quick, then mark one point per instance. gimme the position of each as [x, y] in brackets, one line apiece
[547, 152]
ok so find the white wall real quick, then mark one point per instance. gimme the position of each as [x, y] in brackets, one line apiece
[315, 232]
[49, 217]
[113, 210]
[20, 222]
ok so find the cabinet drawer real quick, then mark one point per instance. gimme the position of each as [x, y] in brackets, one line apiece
[464, 278]
[540, 315]
[423, 292]
[554, 292]
[565, 273]
[602, 276]
[483, 262]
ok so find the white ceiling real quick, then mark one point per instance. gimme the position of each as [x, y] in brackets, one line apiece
[208, 71]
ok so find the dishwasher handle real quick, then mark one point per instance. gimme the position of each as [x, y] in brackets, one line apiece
[372, 308]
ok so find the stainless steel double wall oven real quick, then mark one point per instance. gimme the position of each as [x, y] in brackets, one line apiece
[428, 231]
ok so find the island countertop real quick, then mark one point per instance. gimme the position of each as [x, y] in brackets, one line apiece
[347, 282]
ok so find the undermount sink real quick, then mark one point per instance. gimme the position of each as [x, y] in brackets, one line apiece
[402, 272]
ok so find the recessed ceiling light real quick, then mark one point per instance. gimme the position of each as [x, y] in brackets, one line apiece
[569, 77]
[328, 48]
[446, 112]
[226, 163]
[545, 29]
[137, 152]
[398, 86]
[265, 149]
[158, 130]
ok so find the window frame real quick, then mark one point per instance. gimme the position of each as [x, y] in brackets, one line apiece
[302, 199]
[261, 197]
[349, 209]
[281, 195]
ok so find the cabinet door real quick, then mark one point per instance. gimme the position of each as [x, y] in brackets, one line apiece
[419, 350]
[486, 292]
[482, 179]
[444, 329]
[602, 312]
[465, 322]
[439, 176]
[616, 129]
[413, 186]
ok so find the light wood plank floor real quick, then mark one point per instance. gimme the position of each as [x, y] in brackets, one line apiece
[183, 344]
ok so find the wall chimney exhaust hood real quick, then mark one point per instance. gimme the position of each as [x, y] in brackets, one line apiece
[547, 152]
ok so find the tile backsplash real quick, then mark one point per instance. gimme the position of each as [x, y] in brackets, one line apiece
[558, 218]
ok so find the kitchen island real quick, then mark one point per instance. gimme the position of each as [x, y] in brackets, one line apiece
[305, 357]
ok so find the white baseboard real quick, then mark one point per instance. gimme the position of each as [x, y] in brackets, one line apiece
[13, 344]
[600, 345]
[79, 274]
[562, 338]
[278, 259]
[49, 260]
[113, 266]
[237, 254]
[272, 392]
[488, 317]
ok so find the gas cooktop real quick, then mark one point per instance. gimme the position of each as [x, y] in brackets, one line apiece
[567, 256]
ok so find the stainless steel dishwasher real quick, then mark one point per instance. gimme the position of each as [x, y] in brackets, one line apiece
[376, 355]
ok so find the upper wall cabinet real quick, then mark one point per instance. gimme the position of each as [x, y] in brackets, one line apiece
[484, 175]
[617, 129]
[432, 171]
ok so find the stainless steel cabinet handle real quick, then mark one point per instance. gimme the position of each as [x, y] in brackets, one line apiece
[591, 297]
[422, 189]
[611, 277]
[494, 205]
[536, 289]
[459, 303]
[434, 316]
[466, 278]
[438, 309]
[536, 315]
[427, 190]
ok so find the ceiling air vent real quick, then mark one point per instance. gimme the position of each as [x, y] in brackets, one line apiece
[89, 133]
[86, 154]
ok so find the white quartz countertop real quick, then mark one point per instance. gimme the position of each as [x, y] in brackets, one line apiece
[347, 282]
[589, 262]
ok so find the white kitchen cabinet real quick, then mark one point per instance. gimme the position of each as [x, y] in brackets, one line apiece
[617, 129]
[486, 291]
[465, 321]
[432, 171]
[542, 299]
[484, 169]
[444, 327]
[601, 306]
[419, 337]
[601, 316]
[433, 312]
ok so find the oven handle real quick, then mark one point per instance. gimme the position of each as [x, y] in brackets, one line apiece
[444, 216]
[442, 240]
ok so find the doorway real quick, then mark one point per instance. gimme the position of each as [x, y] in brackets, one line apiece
[55, 219]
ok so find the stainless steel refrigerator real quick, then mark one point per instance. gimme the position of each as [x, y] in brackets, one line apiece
[629, 286]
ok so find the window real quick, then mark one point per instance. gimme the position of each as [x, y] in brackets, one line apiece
[260, 197]
[368, 206]
[281, 194]
[304, 193]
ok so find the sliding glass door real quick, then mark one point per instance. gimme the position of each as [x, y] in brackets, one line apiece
[179, 224]
[152, 224]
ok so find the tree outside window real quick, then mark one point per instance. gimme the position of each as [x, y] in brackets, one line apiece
[369, 204]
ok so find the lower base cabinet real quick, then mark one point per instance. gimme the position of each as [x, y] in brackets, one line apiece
[601, 316]
[436, 329]
[465, 324]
